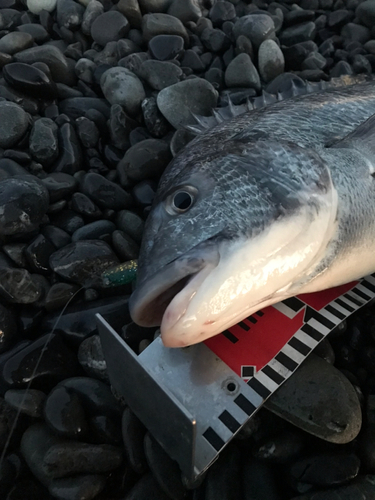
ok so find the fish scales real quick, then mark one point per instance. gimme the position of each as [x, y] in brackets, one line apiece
[268, 204]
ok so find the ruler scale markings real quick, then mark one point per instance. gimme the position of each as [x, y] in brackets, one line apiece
[299, 346]
[258, 387]
[266, 381]
[273, 374]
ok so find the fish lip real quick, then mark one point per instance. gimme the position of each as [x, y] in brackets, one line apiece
[158, 291]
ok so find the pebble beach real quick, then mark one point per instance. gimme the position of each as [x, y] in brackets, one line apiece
[96, 98]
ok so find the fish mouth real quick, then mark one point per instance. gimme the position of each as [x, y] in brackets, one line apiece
[177, 280]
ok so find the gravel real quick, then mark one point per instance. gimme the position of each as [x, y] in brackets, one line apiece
[94, 97]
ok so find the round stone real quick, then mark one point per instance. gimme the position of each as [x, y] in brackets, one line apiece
[270, 60]
[122, 86]
[241, 72]
[13, 124]
[36, 6]
[109, 26]
[179, 101]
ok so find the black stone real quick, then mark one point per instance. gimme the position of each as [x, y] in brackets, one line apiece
[19, 286]
[70, 158]
[64, 414]
[94, 230]
[27, 365]
[133, 433]
[37, 254]
[104, 193]
[144, 193]
[68, 220]
[8, 328]
[58, 237]
[166, 47]
[83, 261]
[30, 80]
[78, 320]
[84, 206]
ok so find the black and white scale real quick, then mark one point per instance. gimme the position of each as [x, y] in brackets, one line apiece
[195, 399]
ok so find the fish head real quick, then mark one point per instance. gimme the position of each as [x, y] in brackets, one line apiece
[234, 227]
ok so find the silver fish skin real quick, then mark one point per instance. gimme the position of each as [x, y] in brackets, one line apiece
[269, 204]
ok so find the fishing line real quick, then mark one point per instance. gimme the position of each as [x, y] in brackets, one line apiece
[39, 360]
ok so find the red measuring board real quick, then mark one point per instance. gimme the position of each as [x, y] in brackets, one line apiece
[250, 345]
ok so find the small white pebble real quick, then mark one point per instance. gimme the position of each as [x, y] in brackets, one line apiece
[36, 6]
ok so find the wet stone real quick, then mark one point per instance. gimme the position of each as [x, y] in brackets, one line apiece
[96, 396]
[36, 6]
[146, 159]
[221, 12]
[132, 12]
[15, 41]
[185, 10]
[18, 286]
[122, 86]
[78, 320]
[326, 470]
[223, 479]
[56, 236]
[356, 33]
[58, 295]
[104, 193]
[9, 18]
[144, 193]
[44, 145]
[298, 16]
[160, 74]
[13, 125]
[131, 224]
[298, 33]
[281, 448]
[165, 47]
[53, 57]
[162, 24]
[7, 419]
[315, 411]
[60, 185]
[84, 206]
[104, 430]
[215, 40]
[133, 433]
[91, 358]
[37, 254]
[258, 480]
[94, 230]
[241, 72]
[147, 487]
[366, 13]
[93, 10]
[270, 60]
[256, 28]
[192, 60]
[109, 26]
[8, 328]
[27, 401]
[70, 158]
[77, 487]
[37, 31]
[202, 99]
[164, 469]
[64, 414]
[87, 132]
[57, 363]
[69, 14]
[68, 220]
[155, 122]
[125, 247]
[83, 261]
[15, 251]
[75, 107]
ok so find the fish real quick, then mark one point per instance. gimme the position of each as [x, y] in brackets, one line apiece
[268, 204]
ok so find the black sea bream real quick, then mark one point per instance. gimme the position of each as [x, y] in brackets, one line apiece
[269, 204]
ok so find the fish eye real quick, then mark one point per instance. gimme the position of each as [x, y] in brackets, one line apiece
[181, 200]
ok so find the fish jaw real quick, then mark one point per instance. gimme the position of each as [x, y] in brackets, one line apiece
[251, 274]
[150, 299]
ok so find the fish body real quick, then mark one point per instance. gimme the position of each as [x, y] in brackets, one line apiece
[269, 204]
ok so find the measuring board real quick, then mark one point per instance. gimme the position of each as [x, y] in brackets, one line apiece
[194, 400]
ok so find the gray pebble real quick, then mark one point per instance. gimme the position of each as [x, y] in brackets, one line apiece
[125, 247]
[316, 410]
[185, 10]
[270, 60]
[160, 74]
[162, 24]
[131, 224]
[257, 28]
[109, 26]
[84, 70]
[91, 358]
[298, 33]
[93, 10]
[43, 144]
[241, 72]
[366, 13]
[121, 86]
[53, 57]
[356, 33]
[28, 401]
[105, 193]
[69, 14]
[80, 487]
[190, 96]
[94, 230]
[13, 124]
[132, 12]
[15, 42]
[154, 5]
[18, 286]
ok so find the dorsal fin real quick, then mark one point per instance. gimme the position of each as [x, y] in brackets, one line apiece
[204, 123]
